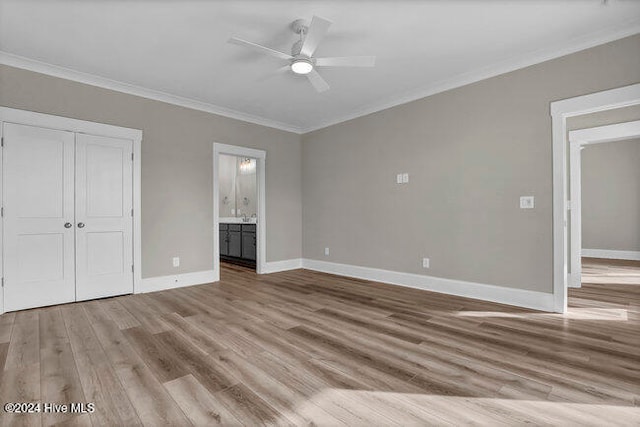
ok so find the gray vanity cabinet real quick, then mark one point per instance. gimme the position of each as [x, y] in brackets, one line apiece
[235, 240]
[238, 243]
[224, 239]
[249, 241]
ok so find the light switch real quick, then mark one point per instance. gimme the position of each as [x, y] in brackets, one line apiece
[526, 202]
[176, 261]
[405, 178]
[399, 178]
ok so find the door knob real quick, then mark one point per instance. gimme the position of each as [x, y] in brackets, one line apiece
[67, 225]
[81, 225]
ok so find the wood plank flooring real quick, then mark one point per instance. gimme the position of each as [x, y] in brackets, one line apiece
[303, 348]
[610, 271]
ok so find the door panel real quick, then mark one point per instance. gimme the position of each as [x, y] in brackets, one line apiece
[104, 225]
[235, 244]
[41, 257]
[42, 191]
[105, 180]
[101, 247]
[249, 246]
[38, 201]
[224, 244]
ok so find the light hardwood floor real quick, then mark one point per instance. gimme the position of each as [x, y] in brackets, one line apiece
[301, 347]
[610, 271]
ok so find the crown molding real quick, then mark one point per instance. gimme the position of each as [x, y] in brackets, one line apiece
[513, 64]
[105, 83]
[504, 67]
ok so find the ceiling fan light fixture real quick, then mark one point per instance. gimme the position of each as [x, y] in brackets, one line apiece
[301, 66]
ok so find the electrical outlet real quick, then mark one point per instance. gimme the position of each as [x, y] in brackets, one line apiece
[425, 262]
[326, 251]
[405, 178]
[176, 261]
[526, 202]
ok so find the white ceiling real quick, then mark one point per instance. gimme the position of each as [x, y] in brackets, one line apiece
[176, 50]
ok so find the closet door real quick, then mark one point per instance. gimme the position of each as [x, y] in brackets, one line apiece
[104, 223]
[38, 217]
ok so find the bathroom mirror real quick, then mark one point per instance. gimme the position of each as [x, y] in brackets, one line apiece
[237, 184]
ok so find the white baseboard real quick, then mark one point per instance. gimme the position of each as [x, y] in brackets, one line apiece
[277, 266]
[517, 297]
[611, 254]
[160, 283]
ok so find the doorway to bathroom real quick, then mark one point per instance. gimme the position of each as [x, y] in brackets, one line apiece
[604, 202]
[238, 208]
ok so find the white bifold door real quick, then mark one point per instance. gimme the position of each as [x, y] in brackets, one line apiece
[67, 200]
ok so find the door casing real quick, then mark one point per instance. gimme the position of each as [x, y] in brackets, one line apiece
[261, 232]
[560, 111]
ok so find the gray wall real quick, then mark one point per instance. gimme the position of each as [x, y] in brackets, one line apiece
[177, 171]
[471, 153]
[611, 196]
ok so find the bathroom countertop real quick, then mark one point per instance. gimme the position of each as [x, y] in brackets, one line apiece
[233, 220]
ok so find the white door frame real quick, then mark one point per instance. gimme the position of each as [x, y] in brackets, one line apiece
[560, 111]
[579, 139]
[12, 115]
[261, 234]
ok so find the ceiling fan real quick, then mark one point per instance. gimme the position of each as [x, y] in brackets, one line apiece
[301, 59]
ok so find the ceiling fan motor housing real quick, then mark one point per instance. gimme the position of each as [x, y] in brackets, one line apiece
[300, 26]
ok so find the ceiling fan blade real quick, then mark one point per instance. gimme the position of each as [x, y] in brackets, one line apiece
[317, 81]
[275, 72]
[317, 30]
[346, 61]
[259, 48]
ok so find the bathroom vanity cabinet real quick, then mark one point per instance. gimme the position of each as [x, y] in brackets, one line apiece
[238, 243]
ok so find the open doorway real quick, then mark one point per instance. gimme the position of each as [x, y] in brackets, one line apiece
[561, 111]
[604, 185]
[238, 208]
